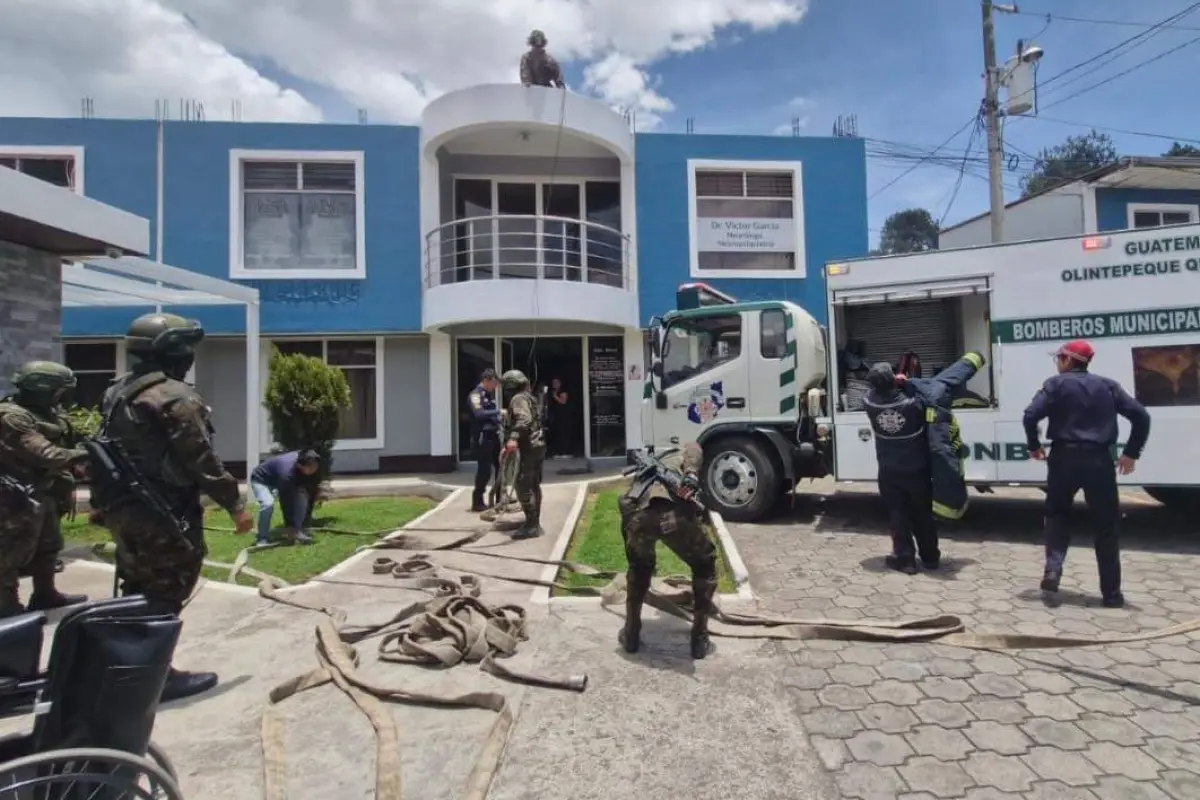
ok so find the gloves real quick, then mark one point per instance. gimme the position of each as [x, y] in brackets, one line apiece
[690, 483]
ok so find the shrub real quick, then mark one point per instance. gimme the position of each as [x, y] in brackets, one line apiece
[304, 399]
[85, 422]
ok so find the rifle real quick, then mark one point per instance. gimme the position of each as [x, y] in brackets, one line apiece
[114, 473]
[18, 494]
[648, 469]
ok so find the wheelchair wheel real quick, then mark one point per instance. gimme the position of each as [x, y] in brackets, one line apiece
[156, 754]
[91, 773]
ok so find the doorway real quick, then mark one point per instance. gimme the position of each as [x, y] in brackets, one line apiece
[547, 361]
[473, 357]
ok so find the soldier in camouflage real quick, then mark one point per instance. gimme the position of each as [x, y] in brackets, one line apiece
[162, 424]
[35, 455]
[526, 437]
[677, 522]
[539, 68]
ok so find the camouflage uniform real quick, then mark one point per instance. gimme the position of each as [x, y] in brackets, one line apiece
[539, 68]
[654, 517]
[35, 451]
[163, 426]
[524, 429]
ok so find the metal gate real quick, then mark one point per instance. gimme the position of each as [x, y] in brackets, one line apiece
[887, 330]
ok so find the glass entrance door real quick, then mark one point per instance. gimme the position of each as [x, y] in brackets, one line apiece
[554, 363]
[473, 356]
[516, 239]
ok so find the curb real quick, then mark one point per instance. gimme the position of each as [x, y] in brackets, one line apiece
[342, 566]
[542, 596]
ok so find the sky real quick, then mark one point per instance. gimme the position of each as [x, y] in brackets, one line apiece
[908, 70]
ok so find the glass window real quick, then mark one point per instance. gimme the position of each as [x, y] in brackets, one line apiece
[299, 215]
[357, 359]
[58, 170]
[745, 220]
[774, 333]
[695, 346]
[95, 367]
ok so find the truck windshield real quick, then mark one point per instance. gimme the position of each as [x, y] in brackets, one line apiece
[697, 345]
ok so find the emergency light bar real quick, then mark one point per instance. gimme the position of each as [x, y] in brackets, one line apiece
[1097, 243]
[700, 295]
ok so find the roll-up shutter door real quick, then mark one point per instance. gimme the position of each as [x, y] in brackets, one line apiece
[929, 328]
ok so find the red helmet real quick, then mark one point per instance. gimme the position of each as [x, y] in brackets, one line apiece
[1078, 350]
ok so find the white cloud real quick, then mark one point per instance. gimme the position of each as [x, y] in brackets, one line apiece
[125, 53]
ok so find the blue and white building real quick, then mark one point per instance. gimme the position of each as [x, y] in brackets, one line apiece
[515, 227]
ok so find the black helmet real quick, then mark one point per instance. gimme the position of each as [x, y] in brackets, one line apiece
[537, 39]
[43, 377]
[163, 335]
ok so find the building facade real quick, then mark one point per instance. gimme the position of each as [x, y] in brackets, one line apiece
[514, 227]
[1131, 193]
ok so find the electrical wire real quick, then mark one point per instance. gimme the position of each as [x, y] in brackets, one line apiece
[1059, 18]
[961, 172]
[972, 121]
[1126, 131]
[1111, 78]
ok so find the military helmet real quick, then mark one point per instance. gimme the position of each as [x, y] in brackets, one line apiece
[43, 376]
[163, 335]
[537, 39]
[514, 379]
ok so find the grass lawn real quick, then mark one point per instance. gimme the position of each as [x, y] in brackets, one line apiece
[293, 564]
[597, 542]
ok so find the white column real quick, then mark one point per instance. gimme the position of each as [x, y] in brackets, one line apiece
[441, 404]
[634, 389]
[254, 387]
[629, 228]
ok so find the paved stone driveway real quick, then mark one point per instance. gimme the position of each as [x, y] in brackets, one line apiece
[927, 721]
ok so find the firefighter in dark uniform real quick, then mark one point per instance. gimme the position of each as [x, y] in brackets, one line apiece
[485, 435]
[897, 409]
[1082, 409]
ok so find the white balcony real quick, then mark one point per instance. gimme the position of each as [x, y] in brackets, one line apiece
[528, 267]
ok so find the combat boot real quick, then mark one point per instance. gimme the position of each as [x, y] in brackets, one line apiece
[46, 596]
[637, 584]
[702, 593]
[181, 684]
[528, 531]
[10, 603]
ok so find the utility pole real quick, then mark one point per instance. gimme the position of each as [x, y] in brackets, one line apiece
[991, 112]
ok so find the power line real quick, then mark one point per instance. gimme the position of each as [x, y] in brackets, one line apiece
[1126, 131]
[1059, 18]
[1123, 73]
[973, 120]
[962, 171]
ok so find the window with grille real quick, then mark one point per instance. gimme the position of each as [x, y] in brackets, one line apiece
[746, 221]
[300, 218]
[58, 170]
[1157, 216]
[95, 365]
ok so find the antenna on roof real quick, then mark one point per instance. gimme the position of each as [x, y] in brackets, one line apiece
[235, 110]
[362, 116]
[690, 125]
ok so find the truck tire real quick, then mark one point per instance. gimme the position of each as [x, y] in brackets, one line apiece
[741, 482]
[1176, 498]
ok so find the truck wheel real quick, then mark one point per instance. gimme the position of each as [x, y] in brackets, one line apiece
[1176, 498]
[740, 480]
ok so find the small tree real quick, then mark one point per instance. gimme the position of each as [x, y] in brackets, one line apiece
[305, 397]
[1076, 156]
[1179, 150]
[85, 422]
[910, 231]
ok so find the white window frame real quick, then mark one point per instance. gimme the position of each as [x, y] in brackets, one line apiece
[237, 266]
[695, 165]
[375, 443]
[1134, 208]
[49, 151]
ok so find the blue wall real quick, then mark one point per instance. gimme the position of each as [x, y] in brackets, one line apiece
[1112, 204]
[835, 212]
[119, 168]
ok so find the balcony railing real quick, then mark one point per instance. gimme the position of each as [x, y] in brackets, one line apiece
[526, 247]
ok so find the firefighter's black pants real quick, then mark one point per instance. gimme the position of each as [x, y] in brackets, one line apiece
[487, 459]
[1072, 467]
[908, 495]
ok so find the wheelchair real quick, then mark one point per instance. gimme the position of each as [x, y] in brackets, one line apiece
[93, 708]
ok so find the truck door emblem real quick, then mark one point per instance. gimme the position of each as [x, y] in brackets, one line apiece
[706, 403]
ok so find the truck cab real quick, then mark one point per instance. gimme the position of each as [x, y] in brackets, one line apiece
[745, 381]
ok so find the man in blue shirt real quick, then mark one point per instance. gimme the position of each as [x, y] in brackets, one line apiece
[485, 436]
[1083, 410]
[291, 476]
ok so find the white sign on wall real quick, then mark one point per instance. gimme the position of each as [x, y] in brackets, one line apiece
[715, 234]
